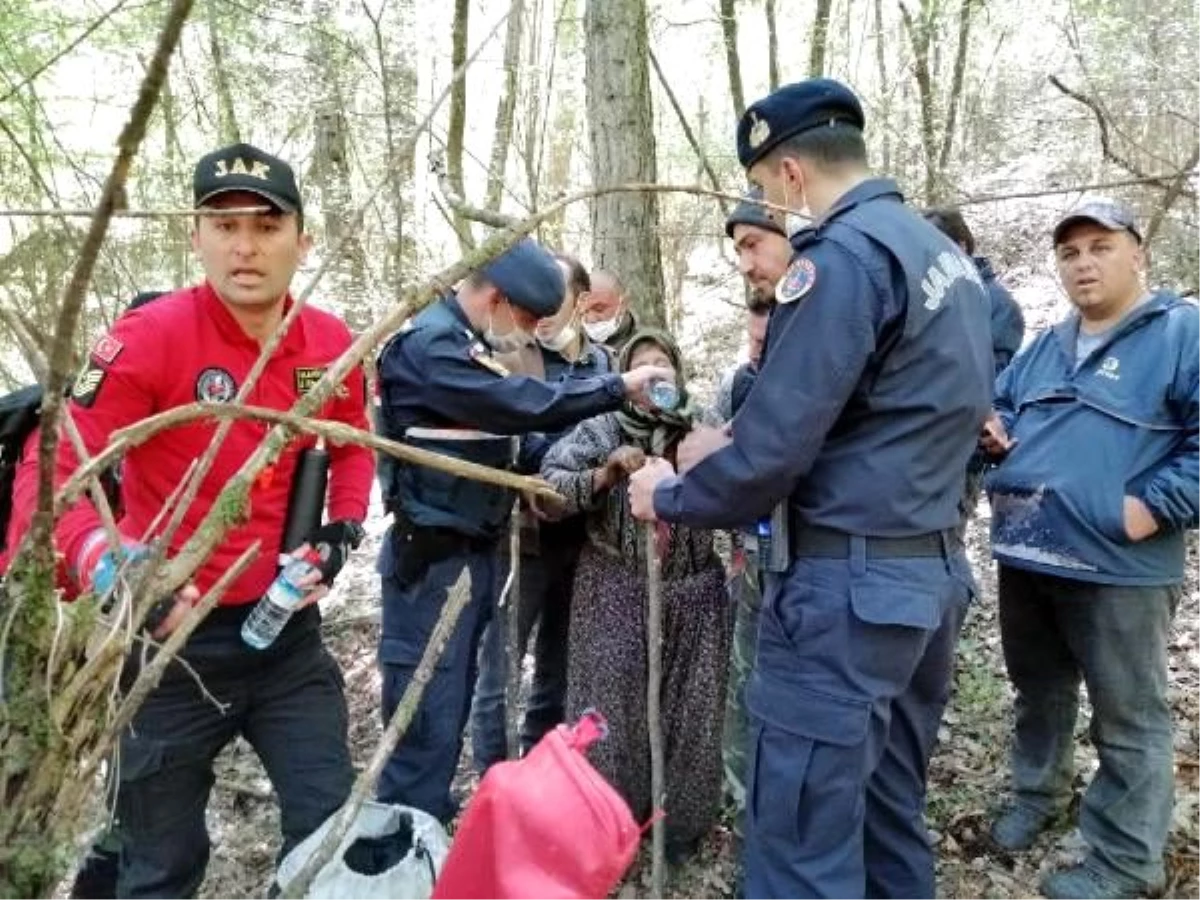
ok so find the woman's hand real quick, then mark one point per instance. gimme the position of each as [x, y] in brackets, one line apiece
[625, 461]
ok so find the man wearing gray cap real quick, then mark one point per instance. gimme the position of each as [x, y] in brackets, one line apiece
[441, 389]
[1096, 429]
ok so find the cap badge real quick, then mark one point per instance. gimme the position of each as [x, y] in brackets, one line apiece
[759, 131]
[239, 166]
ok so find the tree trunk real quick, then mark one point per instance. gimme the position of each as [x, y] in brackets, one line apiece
[772, 47]
[398, 78]
[180, 249]
[624, 225]
[331, 174]
[956, 86]
[506, 106]
[561, 135]
[881, 63]
[918, 35]
[729, 31]
[820, 33]
[227, 126]
[458, 117]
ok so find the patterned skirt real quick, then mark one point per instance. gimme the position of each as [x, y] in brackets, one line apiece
[608, 672]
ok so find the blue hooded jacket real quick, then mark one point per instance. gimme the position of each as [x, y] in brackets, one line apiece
[1124, 423]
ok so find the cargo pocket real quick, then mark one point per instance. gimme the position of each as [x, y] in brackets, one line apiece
[897, 605]
[806, 764]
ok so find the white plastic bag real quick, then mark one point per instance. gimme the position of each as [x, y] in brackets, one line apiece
[411, 843]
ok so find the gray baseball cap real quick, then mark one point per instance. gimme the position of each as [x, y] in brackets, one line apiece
[1105, 213]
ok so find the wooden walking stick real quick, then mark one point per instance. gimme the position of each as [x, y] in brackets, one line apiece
[510, 604]
[658, 791]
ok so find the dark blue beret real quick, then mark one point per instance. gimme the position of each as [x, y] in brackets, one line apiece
[752, 212]
[793, 109]
[528, 276]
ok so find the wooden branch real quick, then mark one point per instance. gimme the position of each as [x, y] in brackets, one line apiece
[456, 600]
[510, 602]
[733, 66]
[1075, 189]
[505, 106]
[654, 641]
[1170, 196]
[137, 213]
[1106, 144]
[73, 296]
[334, 432]
[463, 210]
[687, 129]
[29, 346]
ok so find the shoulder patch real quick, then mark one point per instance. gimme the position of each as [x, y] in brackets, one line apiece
[797, 281]
[215, 385]
[87, 385]
[106, 349]
[483, 356]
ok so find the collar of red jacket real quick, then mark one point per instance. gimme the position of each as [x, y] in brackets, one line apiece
[293, 342]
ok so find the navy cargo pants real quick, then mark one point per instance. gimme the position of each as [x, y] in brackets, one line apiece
[287, 701]
[422, 766]
[853, 670]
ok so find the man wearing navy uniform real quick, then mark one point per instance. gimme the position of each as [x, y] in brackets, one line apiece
[875, 382]
[1097, 485]
[441, 389]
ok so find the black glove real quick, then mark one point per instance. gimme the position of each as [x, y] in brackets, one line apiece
[333, 543]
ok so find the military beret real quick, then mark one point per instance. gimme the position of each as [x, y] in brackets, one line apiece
[1105, 213]
[529, 277]
[793, 109]
[243, 167]
[751, 212]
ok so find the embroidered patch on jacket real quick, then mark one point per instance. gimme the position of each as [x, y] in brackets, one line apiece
[106, 349]
[87, 385]
[484, 357]
[307, 376]
[797, 281]
[215, 386]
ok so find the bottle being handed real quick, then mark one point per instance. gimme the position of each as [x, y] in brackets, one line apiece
[664, 394]
[273, 611]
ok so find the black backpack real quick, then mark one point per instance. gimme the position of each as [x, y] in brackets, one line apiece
[19, 412]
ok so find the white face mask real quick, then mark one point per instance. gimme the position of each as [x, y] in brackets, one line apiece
[794, 222]
[560, 341]
[510, 341]
[602, 331]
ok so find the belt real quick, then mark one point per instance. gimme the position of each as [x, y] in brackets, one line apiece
[828, 543]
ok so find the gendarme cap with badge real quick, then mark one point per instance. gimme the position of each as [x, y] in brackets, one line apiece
[243, 167]
[793, 109]
[529, 277]
[1105, 213]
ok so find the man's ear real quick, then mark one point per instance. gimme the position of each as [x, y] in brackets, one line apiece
[306, 245]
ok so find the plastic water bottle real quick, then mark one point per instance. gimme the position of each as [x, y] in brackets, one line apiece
[664, 394]
[764, 539]
[267, 619]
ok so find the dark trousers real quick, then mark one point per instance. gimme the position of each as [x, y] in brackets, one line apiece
[543, 598]
[287, 701]
[1056, 633]
[851, 677]
[421, 769]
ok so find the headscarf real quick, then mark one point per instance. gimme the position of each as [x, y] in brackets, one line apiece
[655, 429]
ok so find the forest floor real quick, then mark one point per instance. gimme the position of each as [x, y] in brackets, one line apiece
[967, 778]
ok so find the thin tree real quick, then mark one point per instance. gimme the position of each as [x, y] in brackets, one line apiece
[733, 63]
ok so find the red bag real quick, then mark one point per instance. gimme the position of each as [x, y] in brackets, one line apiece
[548, 825]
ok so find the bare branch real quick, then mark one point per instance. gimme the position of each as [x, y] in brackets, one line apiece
[1171, 195]
[456, 600]
[687, 129]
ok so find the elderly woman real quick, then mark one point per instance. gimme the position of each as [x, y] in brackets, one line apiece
[607, 649]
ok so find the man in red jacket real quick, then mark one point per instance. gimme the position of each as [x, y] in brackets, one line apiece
[200, 344]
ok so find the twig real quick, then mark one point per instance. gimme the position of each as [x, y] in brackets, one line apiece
[136, 213]
[336, 432]
[437, 166]
[510, 602]
[73, 296]
[658, 790]
[1075, 189]
[687, 129]
[457, 598]
[150, 675]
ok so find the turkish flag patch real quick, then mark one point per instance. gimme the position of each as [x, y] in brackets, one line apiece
[107, 349]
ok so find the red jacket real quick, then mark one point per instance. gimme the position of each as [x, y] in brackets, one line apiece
[184, 347]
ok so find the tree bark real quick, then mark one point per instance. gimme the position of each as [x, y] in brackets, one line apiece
[502, 134]
[624, 226]
[227, 124]
[881, 65]
[458, 116]
[772, 47]
[729, 33]
[956, 86]
[820, 34]
[919, 36]
[331, 170]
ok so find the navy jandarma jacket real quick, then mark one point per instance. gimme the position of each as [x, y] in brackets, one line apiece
[1123, 423]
